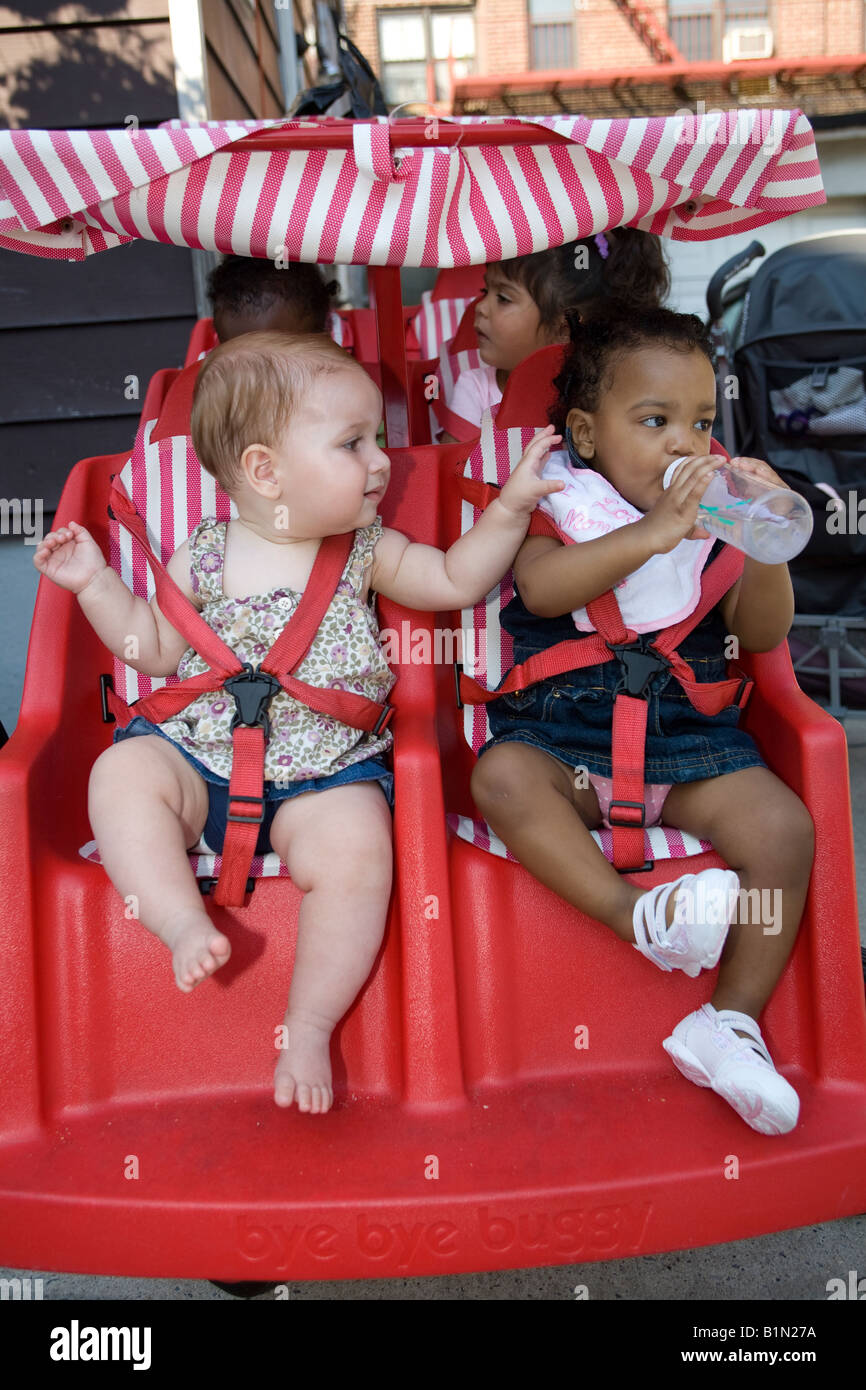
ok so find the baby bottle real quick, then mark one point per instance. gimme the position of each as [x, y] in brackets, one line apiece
[772, 524]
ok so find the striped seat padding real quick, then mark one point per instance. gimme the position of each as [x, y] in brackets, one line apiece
[451, 364]
[489, 650]
[436, 322]
[436, 325]
[205, 864]
[660, 841]
[341, 330]
[172, 493]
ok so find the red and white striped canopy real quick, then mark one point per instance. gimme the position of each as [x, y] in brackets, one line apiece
[402, 192]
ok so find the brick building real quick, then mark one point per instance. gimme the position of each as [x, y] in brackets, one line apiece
[408, 41]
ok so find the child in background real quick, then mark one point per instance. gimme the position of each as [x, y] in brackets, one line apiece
[526, 301]
[250, 295]
[635, 394]
[287, 426]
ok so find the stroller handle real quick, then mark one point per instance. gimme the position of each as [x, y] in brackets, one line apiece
[724, 273]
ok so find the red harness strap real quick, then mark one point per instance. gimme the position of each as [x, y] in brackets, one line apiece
[641, 661]
[252, 689]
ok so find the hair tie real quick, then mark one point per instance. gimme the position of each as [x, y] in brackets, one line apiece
[601, 242]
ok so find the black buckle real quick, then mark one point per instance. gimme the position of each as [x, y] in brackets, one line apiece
[744, 682]
[106, 683]
[381, 722]
[458, 672]
[207, 885]
[640, 666]
[252, 690]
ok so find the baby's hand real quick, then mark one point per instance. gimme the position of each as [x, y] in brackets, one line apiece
[70, 557]
[673, 517]
[757, 468]
[525, 488]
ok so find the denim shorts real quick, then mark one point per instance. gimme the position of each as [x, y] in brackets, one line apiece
[369, 770]
[571, 716]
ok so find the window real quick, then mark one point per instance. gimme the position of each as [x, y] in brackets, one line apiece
[420, 50]
[692, 26]
[551, 34]
[698, 27]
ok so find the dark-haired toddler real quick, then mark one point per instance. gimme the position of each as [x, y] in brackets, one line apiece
[527, 299]
[637, 392]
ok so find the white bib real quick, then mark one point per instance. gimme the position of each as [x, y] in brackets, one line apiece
[665, 589]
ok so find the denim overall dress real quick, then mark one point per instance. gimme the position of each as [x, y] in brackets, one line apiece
[571, 715]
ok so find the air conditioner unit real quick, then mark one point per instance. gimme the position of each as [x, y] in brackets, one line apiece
[752, 42]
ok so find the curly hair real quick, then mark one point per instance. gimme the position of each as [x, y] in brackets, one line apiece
[599, 341]
[567, 277]
[248, 285]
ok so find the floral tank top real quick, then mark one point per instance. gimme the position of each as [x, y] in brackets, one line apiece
[345, 654]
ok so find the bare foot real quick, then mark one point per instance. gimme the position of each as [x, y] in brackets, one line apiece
[303, 1072]
[197, 948]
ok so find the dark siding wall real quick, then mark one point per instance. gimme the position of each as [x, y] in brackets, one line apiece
[88, 74]
[72, 333]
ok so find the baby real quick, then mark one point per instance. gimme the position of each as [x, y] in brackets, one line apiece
[287, 425]
[636, 392]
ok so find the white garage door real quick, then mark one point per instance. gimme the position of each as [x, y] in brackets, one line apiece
[693, 263]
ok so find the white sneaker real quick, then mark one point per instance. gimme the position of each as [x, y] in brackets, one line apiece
[707, 1050]
[703, 910]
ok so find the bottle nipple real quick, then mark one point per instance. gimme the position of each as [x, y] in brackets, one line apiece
[671, 469]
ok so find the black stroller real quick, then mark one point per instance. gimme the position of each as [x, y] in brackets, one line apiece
[791, 372]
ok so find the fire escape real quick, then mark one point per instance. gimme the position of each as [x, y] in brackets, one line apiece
[654, 37]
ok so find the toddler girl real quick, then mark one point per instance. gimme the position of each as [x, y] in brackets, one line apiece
[526, 300]
[635, 394]
[287, 425]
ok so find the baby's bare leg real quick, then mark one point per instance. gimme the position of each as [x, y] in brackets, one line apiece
[763, 831]
[147, 807]
[337, 847]
[531, 800]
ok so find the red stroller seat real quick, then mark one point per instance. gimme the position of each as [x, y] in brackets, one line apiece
[493, 1108]
[574, 1023]
[90, 1004]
